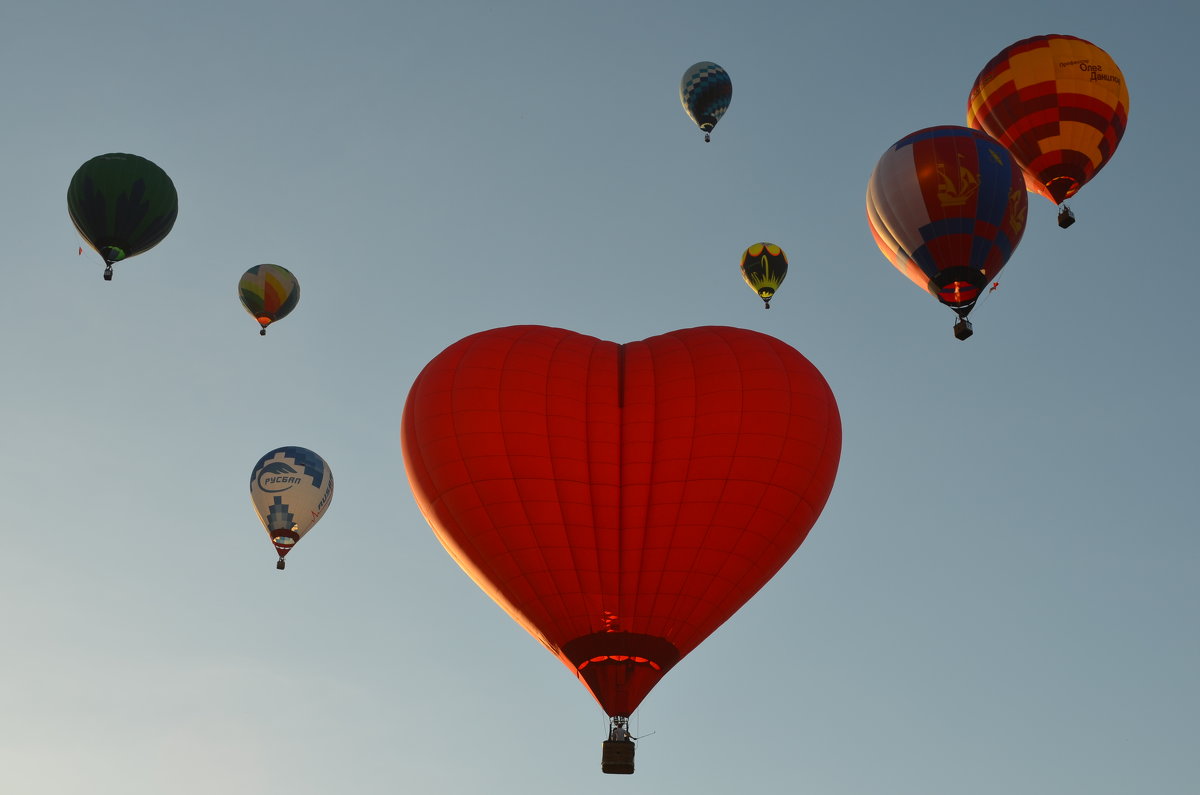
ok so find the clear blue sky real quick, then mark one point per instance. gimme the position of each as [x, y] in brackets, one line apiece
[1000, 596]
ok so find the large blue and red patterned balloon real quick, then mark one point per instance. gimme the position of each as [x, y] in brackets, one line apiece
[947, 207]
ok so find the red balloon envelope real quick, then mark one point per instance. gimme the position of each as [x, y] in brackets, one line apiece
[621, 501]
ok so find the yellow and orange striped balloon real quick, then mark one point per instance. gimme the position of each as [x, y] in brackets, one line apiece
[1059, 104]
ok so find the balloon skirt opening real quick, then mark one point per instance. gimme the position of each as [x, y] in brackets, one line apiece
[620, 668]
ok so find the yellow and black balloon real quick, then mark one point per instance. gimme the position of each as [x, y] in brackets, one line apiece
[764, 265]
[269, 293]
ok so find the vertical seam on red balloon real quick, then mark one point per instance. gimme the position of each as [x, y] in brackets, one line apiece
[460, 536]
[502, 585]
[573, 549]
[606, 575]
[529, 334]
[657, 592]
[552, 459]
[621, 593]
[795, 419]
[703, 602]
[620, 477]
[720, 606]
[437, 503]
[633, 609]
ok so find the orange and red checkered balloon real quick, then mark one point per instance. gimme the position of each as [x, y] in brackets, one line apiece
[1059, 104]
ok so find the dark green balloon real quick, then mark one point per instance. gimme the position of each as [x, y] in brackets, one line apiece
[122, 205]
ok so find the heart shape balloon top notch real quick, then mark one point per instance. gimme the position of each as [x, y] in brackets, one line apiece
[621, 501]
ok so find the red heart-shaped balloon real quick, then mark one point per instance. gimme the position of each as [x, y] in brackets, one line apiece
[621, 501]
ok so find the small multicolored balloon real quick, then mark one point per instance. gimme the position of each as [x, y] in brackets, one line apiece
[705, 92]
[764, 266]
[269, 293]
[290, 488]
[122, 205]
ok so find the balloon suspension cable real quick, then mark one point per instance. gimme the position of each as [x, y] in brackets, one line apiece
[983, 299]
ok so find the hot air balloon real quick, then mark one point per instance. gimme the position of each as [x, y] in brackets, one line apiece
[290, 488]
[947, 206]
[1060, 105]
[269, 293]
[620, 501]
[122, 205]
[764, 266]
[705, 91]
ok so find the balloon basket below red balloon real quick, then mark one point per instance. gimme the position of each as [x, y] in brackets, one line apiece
[617, 757]
[963, 329]
[1065, 217]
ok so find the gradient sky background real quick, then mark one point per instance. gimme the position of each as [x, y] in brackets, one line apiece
[1000, 597]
